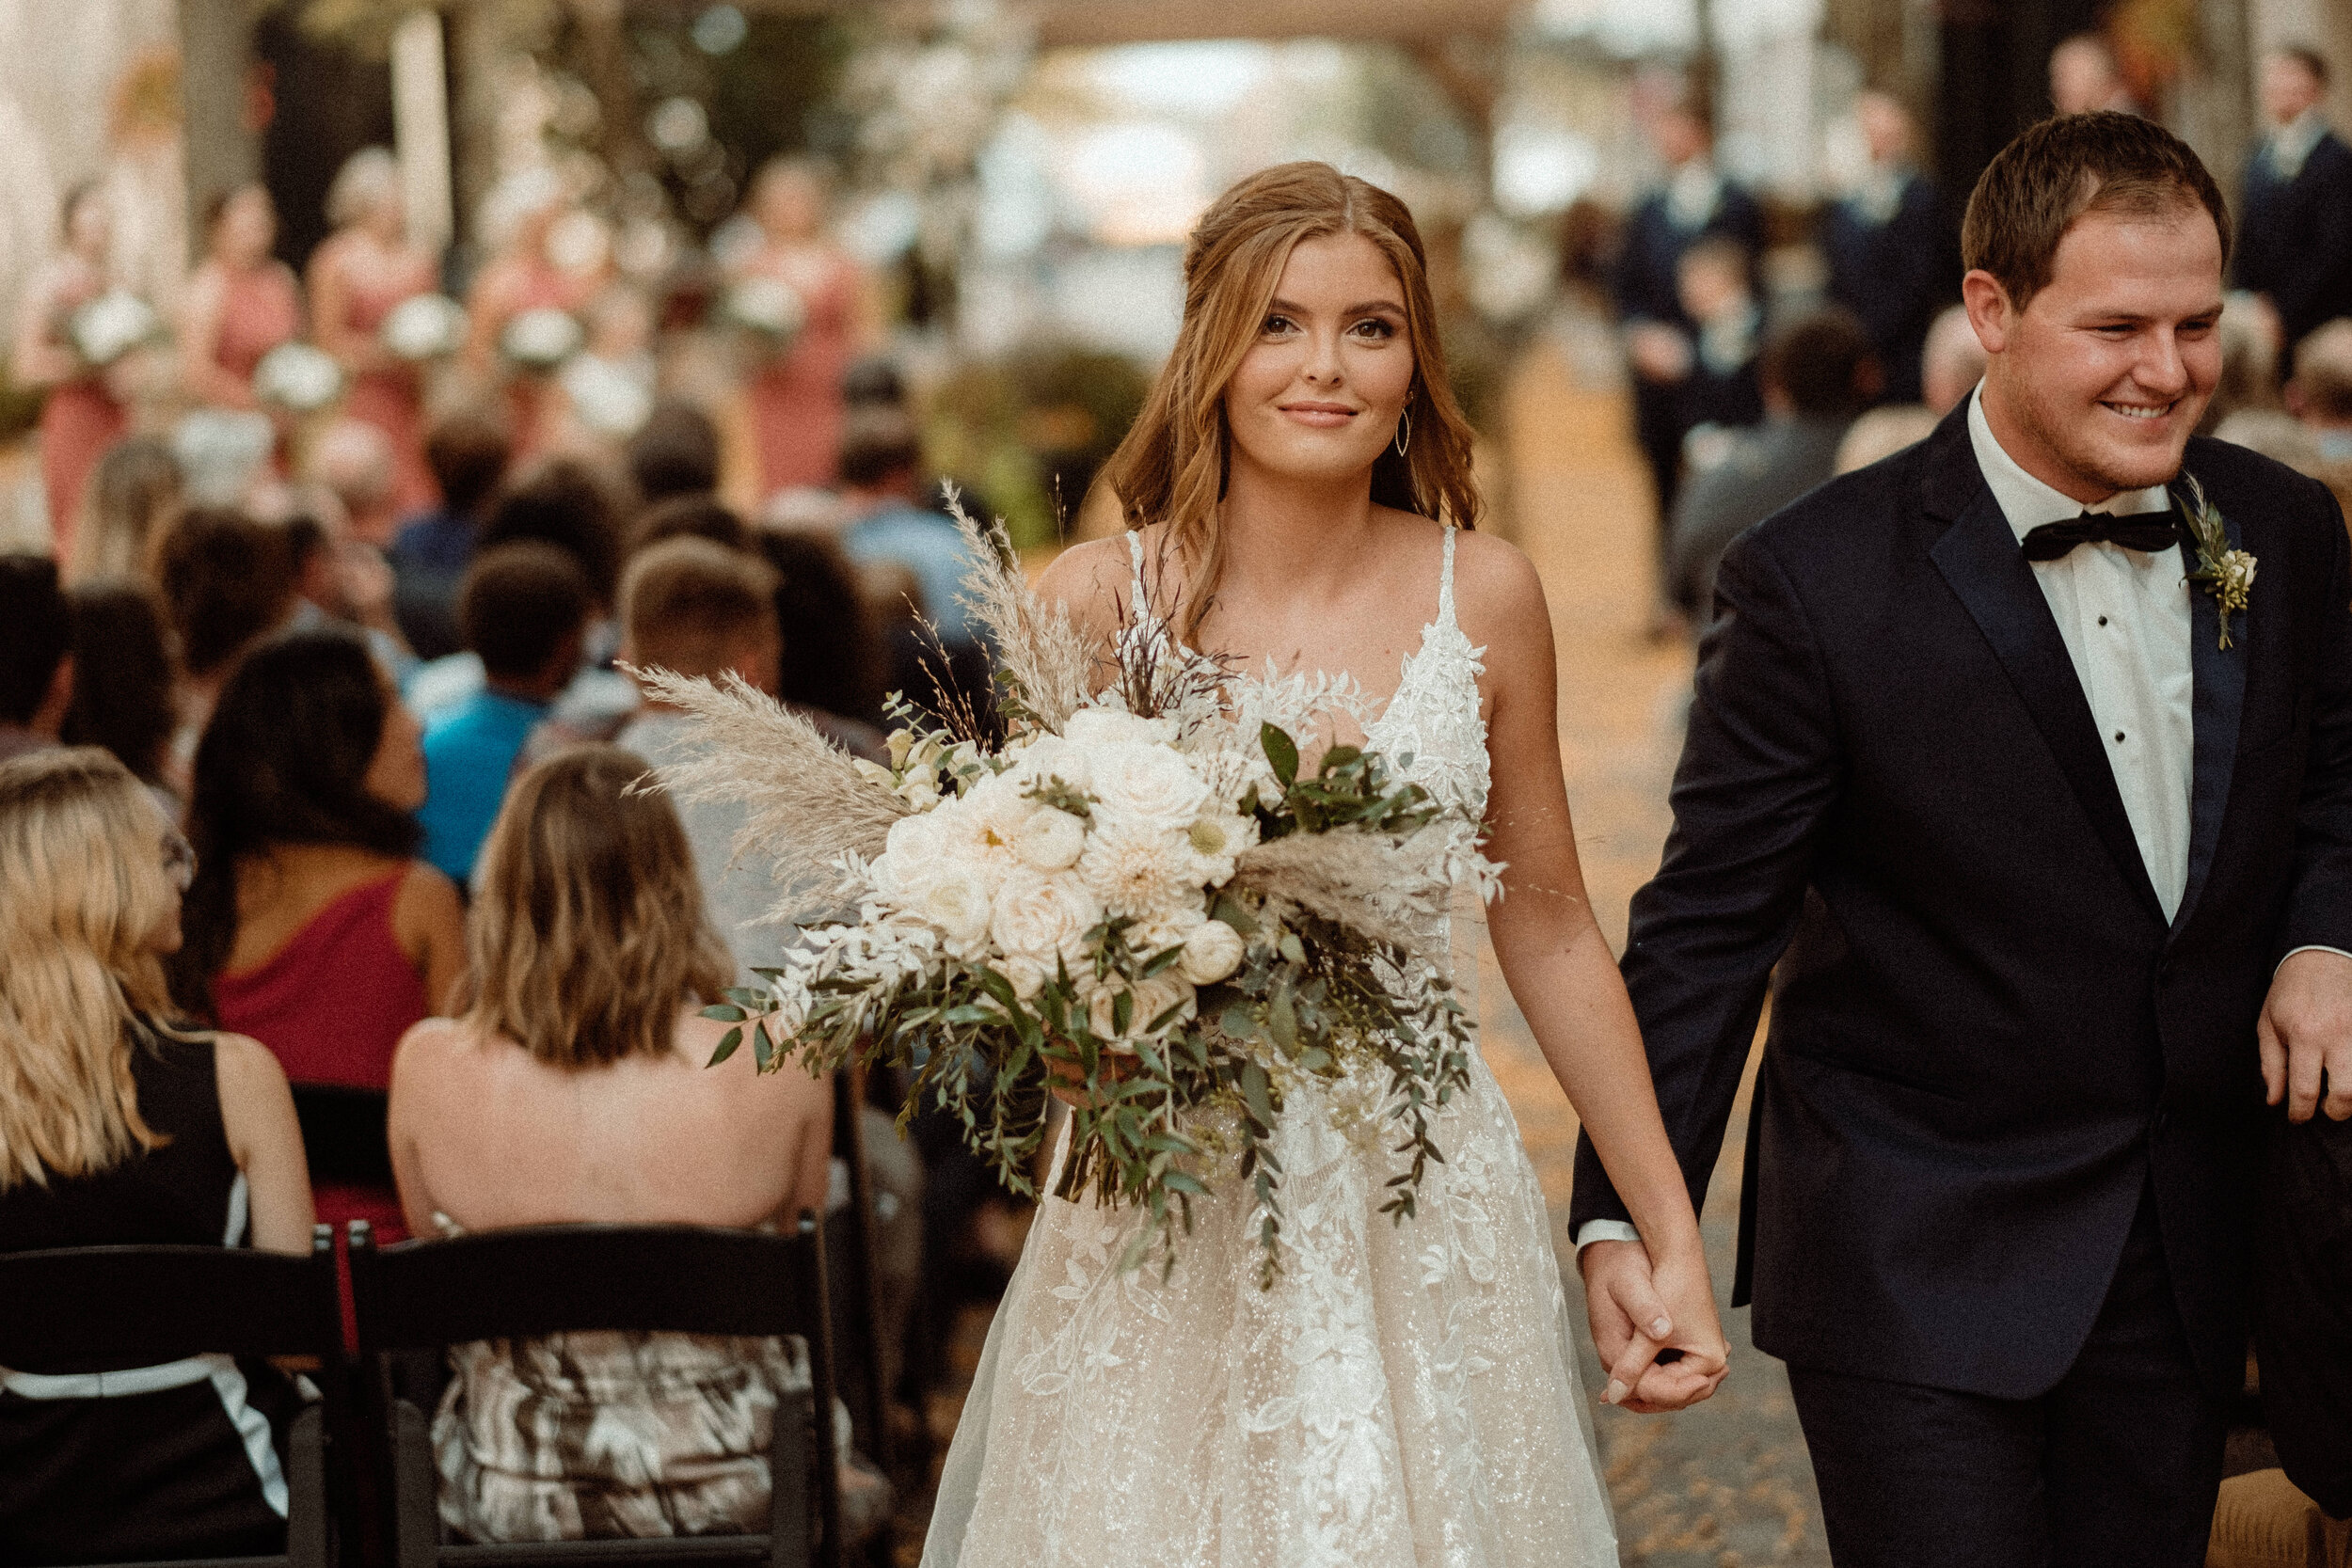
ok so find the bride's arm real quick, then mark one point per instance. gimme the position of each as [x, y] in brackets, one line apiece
[1566, 984]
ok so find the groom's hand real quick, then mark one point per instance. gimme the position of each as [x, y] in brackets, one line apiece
[1638, 1310]
[2306, 1036]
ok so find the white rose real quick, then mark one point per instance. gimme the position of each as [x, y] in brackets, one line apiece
[958, 903]
[1167, 929]
[1050, 840]
[1051, 756]
[1157, 995]
[1039, 918]
[1149, 783]
[1211, 952]
[1026, 975]
[1150, 999]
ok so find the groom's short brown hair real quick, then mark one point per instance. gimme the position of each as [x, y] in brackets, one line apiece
[2038, 185]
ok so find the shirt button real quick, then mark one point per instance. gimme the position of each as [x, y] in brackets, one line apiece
[2118, 738]
[2103, 619]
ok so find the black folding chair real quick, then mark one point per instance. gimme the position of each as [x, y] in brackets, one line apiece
[111, 1308]
[427, 1295]
[342, 1134]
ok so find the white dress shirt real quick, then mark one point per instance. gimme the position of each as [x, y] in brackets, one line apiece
[2291, 143]
[1692, 194]
[2124, 616]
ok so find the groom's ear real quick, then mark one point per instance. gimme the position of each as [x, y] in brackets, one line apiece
[1989, 310]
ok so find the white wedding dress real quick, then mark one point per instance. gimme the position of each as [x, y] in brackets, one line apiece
[1404, 1396]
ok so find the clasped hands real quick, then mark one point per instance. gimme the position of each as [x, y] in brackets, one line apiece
[1641, 1309]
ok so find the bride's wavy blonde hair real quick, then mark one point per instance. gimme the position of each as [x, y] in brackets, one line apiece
[1172, 466]
[82, 892]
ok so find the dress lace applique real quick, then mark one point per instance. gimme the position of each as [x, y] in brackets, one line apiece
[1404, 1396]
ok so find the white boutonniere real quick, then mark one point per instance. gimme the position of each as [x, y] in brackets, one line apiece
[2226, 574]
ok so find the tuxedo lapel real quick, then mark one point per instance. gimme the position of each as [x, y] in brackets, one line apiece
[1979, 558]
[2221, 698]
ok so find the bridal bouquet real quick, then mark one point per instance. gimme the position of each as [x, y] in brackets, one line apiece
[112, 326]
[1142, 898]
[298, 377]
[424, 328]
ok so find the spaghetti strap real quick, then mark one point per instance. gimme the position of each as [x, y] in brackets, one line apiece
[1445, 581]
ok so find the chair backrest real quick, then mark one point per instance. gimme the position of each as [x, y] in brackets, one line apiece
[571, 1278]
[106, 1308]
[342, 1134]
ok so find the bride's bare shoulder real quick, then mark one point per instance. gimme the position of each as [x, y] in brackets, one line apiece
[1497, 595]
[1092, 580]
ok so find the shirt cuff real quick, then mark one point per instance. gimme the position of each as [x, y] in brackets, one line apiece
[1605, 1230]
[2307, 947]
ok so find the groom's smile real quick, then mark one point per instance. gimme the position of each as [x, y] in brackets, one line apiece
[2097, 383]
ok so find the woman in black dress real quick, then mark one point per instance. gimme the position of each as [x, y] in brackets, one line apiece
[115, 1128]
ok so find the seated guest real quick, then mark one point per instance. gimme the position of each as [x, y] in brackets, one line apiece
[886, 520]
[674, 452]
[1817, 375]
[311, 925]
[1950, 368]
[117, 1128]
[35, 655]
[524, 609]
[226, 582]
[130, 498]
[2320, 393]
[468, 452]
[699, 608]
[573, 1089]
[834, 669]
[122, 682]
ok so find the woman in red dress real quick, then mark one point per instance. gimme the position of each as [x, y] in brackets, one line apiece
[357, 277]
[796, 401]
[241, 301]
[82, 416]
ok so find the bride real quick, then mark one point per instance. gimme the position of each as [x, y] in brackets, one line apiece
[1404, 1394]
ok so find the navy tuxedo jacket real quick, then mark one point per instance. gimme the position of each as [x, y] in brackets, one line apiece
[1986, 1039]
[1644, 283]
[2295, 237]
[1894, 276]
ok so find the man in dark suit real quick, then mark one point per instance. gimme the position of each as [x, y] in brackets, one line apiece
[1890, 257]
[2294, 240]
[1695, 202]
[2038, 830]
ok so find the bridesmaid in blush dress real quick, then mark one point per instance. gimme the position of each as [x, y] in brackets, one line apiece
[82, 416]
[241, 301]
[796, 401]
[362, 271]
[522, 276]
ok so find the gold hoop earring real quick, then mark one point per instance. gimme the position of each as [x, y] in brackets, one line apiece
[1403, 432]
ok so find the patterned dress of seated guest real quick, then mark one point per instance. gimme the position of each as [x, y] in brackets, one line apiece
[311, 927]
[117, 1128]
[573, 1090]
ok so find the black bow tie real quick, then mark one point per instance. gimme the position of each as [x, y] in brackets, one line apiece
[2148, 532]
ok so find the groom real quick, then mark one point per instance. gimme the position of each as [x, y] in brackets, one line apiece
[2037, 832]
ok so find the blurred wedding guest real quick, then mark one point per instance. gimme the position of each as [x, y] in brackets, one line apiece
[1893, 257]
[674, 452]
[226, 582]
[524, 216]
[312, 927]
[884, 518]
[608, 386]
[357, 275]
[123, 682]
[1694, 203]
[468, 451]
[351, 460]
[1720, 394]
[35, 655]
[1950, 368]
[131, 495]
[119, 1129]
[240, 302]
[80, 416]
[340, 580]
[697, 607]
[2086, 75]
[2294, 219]
[834, 668]
[573, 1089]
[524, 608]
[697, 516]
[795, 398]
[1818, 375]
[2320, 395]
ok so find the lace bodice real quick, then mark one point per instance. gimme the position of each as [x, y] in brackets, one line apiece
[1434, 718]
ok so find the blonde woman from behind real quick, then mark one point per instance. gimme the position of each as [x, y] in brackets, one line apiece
[118, 1129]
